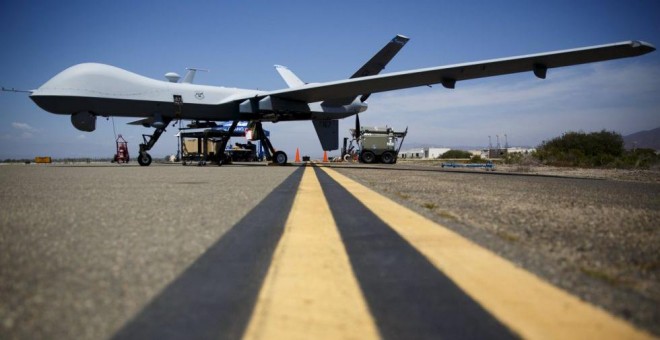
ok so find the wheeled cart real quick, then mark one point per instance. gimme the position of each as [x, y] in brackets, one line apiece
[122, 151]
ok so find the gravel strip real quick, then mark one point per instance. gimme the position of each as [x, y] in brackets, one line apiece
[597, 238]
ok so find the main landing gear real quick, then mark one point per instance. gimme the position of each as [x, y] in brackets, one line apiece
[277, 157]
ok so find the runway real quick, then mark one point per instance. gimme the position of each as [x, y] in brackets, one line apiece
[256, 252]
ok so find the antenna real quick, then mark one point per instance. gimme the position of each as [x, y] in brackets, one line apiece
[506, 142]
[188, 79]
[5, 89]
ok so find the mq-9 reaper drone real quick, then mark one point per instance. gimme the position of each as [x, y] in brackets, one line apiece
[89, 90]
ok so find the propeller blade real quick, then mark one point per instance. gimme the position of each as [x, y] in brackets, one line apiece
[357, 125]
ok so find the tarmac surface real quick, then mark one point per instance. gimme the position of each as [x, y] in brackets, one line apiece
[166, 251]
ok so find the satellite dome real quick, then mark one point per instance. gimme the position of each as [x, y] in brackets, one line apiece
[173, 77]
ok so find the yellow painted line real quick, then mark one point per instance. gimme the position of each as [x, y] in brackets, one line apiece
[310, 291]
[525, 303]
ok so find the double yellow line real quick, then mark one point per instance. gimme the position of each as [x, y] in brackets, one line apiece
[310, 291]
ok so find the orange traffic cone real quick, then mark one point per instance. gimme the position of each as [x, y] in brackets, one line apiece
[297, 156]
[325, 157]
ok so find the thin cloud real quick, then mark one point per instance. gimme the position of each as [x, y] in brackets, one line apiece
[621, 82]
[24, 127]
[26, 131]
[613, 96]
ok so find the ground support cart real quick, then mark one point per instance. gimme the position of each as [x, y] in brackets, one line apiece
[122, 151]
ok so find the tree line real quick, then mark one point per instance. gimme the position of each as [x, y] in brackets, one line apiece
[603, 149]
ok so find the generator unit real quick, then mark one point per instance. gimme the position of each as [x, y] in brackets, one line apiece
[377, 144]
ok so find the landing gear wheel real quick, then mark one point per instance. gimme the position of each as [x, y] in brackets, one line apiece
[279, 158]
[367, 157]
[144, 159]
[387, 157]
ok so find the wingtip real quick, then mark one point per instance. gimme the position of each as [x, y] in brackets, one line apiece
[400, 39]
[646, 47]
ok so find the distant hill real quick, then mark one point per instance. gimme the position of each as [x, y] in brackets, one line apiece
[644, 139]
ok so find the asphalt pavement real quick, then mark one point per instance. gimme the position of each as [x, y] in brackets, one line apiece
[85, 248]
[110, 251]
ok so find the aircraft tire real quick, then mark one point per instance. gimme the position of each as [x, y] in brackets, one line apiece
[279, 158]
[367, 157]
[387, 157]
[144, 159]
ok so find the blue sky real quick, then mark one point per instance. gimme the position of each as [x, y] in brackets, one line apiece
[240, 41]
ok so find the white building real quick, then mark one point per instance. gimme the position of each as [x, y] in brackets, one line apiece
[518, 149]
[433, 153]
[486, 153]
[422, 153]
[412, 154]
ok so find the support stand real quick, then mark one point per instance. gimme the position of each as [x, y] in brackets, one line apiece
[224, 140]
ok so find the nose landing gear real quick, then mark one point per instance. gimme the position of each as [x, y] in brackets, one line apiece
[144, 159]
